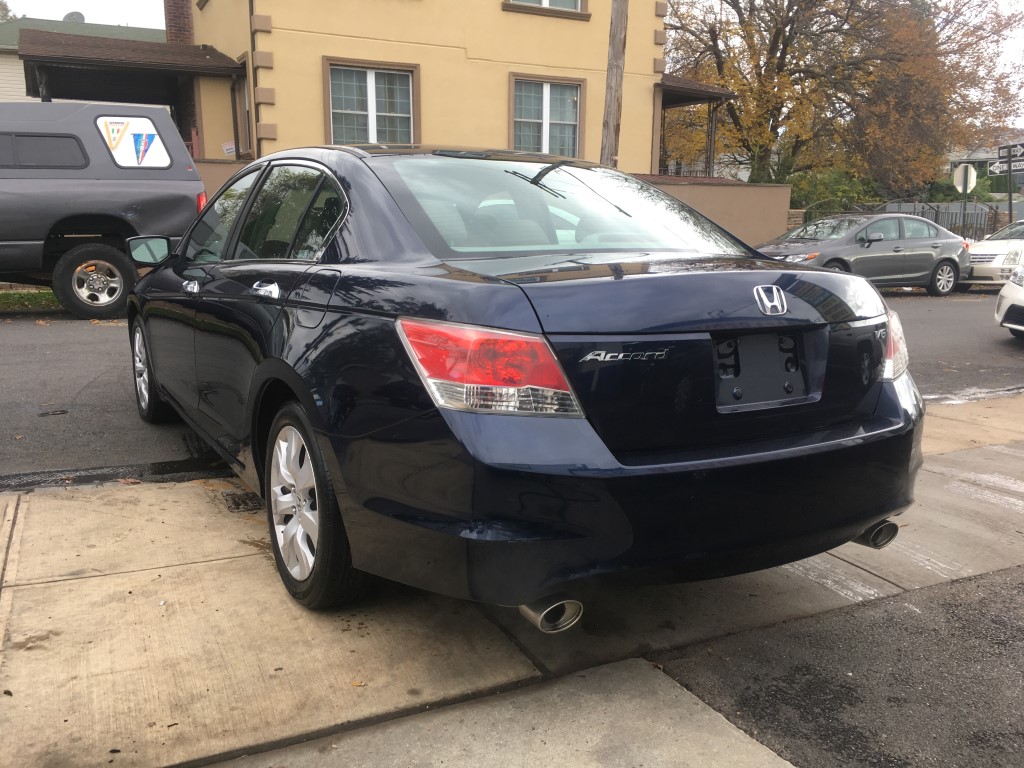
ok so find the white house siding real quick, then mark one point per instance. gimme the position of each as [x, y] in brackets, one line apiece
[12, 78]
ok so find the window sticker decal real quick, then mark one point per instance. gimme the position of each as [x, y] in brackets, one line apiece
[143, 147]
[143, 141]
[113, 132]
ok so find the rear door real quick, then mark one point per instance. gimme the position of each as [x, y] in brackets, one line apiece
[880, 261]
[923, 248]
[278, 241]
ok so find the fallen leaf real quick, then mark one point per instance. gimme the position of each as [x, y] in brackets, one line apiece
[358, 684]
[129, 481]
[42, 322]
[18, 437]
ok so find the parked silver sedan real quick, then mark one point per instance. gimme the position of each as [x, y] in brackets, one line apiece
[993, 259]
[889, 249]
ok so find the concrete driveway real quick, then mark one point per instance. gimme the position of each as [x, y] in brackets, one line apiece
[145, 624]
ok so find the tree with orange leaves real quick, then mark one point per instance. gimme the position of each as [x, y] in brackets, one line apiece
[862, 85]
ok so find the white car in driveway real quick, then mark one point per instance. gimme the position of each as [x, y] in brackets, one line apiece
[1010, 304]
[993, 259]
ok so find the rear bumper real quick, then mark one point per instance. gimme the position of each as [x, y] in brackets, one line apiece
[436, 512]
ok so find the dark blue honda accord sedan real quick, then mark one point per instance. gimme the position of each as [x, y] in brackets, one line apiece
[497, 375]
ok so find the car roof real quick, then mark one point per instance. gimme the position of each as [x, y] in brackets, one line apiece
[367, 151]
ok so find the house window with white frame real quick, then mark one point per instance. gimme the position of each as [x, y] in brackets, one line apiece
[568, 5]
[371, 106]
[547, 117]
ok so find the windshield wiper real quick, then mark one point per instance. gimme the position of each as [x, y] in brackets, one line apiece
[532, 180]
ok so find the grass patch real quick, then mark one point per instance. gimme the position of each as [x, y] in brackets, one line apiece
[28, 301]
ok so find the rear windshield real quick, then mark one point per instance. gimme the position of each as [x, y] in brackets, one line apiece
[825, 229]
[471, 208]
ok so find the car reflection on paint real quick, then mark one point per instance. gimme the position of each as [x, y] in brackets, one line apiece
[889, 249]
[501, 376]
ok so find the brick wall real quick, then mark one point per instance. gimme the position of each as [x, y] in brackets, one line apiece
[794, 219]
[178, 21]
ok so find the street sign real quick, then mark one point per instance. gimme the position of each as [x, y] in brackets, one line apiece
[965, 177]
[1001, 167]
[1011, 150]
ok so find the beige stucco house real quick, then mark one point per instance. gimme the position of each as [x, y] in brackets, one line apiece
[523, 74]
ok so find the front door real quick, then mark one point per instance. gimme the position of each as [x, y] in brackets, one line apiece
[242, 296]
[170, 313]
[880, 261]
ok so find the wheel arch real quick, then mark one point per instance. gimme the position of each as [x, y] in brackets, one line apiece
[275, 384]
[109, 228]
[844, 263]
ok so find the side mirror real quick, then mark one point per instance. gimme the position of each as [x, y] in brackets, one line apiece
[149, 251]
[875, 237]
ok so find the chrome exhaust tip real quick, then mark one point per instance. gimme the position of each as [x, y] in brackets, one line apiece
[555, 613]
[879, 535]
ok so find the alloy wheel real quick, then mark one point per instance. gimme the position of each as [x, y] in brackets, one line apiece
[945, 278]
[141, 363]
[293, 503]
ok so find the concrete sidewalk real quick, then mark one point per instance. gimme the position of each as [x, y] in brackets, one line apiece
[144, 624]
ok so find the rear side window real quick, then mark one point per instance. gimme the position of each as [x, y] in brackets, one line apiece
[918, 229]
[21, 150]
[134, 142]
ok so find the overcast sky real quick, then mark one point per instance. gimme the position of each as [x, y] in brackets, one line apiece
[131, 13]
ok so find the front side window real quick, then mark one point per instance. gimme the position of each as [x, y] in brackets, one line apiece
[209, 237]
[371, 106]
[889, 228]
[546, 117]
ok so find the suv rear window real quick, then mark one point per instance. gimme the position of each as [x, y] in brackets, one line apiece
[20, 150]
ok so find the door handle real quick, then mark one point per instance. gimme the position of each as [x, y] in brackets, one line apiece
[269, 290]
[190, 286]
[897, 249]
[936, 245]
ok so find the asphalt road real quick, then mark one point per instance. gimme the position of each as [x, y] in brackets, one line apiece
[931, 677]
[956, 350]
[66, 400]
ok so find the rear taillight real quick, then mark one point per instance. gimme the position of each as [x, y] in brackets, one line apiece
[896, 356]
[201, 201]
[487, 371]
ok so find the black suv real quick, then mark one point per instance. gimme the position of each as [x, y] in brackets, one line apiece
[76, 180]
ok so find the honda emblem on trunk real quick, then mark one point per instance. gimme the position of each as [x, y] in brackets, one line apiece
[770, 300]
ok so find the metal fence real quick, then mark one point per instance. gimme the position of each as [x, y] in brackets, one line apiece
[973, 221]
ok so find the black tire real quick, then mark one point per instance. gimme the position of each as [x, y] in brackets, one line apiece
[1015, 333]
[92, 281]
[944, 279]
[330, 580]
[836, 266]
[152, 407]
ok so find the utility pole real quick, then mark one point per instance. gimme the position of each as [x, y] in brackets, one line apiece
[613, 84]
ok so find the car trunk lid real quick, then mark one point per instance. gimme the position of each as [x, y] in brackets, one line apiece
[674, 354]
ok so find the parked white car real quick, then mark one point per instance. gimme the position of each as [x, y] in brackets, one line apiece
[993, 259]
[1010, 304]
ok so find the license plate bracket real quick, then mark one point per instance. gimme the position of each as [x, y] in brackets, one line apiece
[758, 371]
